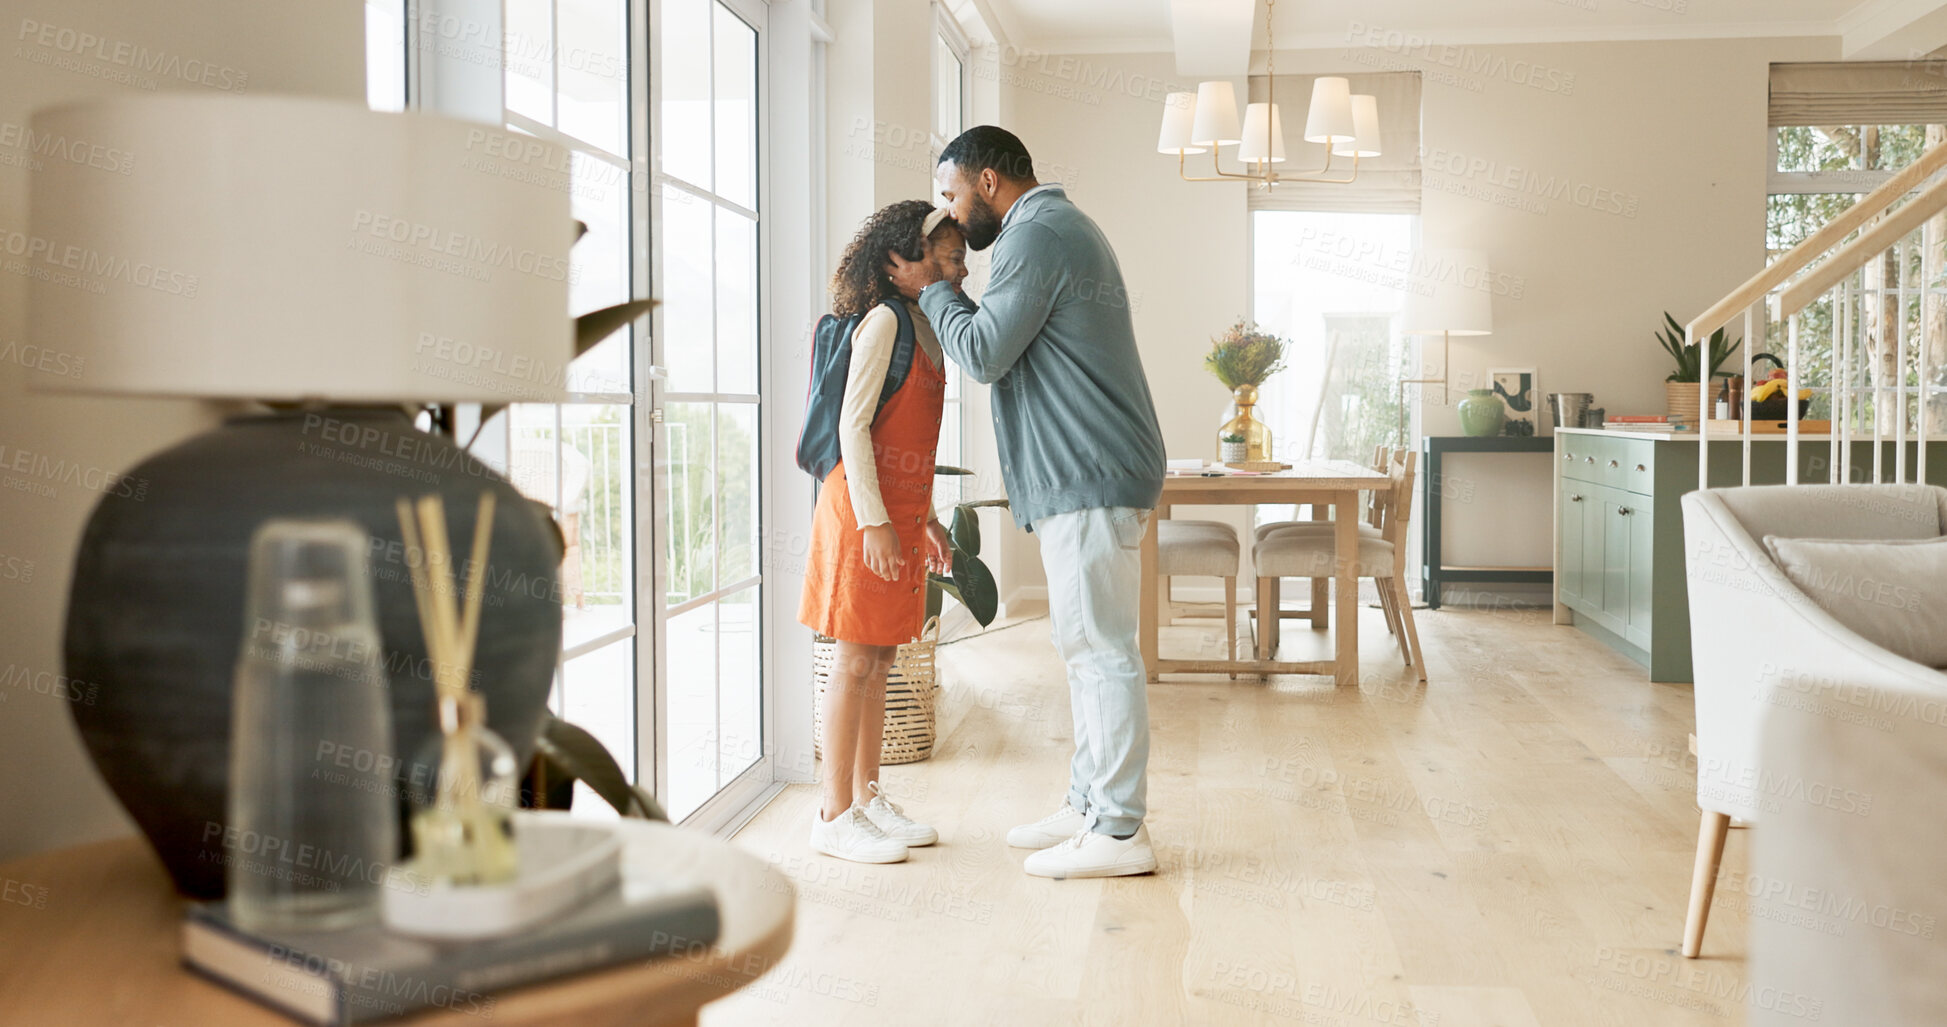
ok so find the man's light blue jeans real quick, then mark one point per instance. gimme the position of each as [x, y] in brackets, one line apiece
[1093, 559]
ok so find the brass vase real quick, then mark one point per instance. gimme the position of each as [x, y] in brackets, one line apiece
[1257, 437]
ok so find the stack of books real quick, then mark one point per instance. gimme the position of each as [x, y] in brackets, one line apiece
[1643, 422]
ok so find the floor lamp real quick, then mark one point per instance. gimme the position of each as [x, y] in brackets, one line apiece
[1448, 294]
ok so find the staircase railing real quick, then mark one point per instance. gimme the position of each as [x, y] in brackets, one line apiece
[1800, 278]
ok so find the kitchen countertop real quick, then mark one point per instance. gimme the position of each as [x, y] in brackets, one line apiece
[1691, 436]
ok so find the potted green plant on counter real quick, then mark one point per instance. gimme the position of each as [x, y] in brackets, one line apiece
[1680, 388]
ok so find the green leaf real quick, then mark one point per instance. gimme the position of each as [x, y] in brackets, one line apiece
[596, 325]
[582, 757]
[976, 588]
[966, 530]
[944, 469]
[947, 586]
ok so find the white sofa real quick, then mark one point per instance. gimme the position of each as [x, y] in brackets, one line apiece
[1761, 648]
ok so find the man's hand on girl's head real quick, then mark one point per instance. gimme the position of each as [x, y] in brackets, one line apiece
[911, 277]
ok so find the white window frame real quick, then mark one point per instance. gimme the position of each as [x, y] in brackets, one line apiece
[1854, 181]
[738, 799]
[947, 29]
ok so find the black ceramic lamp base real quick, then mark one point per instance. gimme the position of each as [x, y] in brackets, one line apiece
[155, 615]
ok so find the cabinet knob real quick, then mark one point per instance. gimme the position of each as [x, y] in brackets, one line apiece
[1612, 463]
[1625, 511]
[1568, 456]
[1588, 459]
[1640, 467]
[1575, 499]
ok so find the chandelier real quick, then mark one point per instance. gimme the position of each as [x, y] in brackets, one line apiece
[1347, 124]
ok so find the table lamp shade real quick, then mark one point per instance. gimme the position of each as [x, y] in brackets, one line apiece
[1449, 292]
[282, 248]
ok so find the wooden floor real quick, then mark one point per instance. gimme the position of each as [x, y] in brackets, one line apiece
[1509, 845]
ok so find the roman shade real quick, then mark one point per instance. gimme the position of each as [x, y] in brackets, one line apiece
[1387, 184]
[1859, 93]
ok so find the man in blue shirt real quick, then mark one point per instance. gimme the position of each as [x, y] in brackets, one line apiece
[1082, 457]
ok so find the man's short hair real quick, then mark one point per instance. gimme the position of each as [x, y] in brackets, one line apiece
[989, 146]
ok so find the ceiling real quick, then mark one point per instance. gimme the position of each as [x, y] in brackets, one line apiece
[1868, 28]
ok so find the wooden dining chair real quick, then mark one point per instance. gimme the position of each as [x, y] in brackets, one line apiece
[1307, 550]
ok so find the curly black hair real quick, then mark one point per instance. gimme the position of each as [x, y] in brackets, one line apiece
[860, 283]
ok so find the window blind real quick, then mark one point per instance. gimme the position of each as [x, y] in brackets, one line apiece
[1859, 93]
[1387, 184]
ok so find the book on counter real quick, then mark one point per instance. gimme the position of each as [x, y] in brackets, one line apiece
[360, 974]
[1637, 419]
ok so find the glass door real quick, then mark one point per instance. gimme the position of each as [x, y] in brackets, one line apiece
[708, 198]
[566, 80]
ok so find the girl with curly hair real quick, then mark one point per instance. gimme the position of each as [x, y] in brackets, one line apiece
[874, 535]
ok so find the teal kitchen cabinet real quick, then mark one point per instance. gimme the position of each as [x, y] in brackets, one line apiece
[1619, 571]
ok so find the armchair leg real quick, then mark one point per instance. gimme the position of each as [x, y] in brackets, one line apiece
[1703, 879]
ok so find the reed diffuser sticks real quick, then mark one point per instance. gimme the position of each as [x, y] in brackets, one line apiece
[464, 836]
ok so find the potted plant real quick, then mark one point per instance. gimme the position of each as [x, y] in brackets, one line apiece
[1241, 358]
[1680, 388]
[1230, 448]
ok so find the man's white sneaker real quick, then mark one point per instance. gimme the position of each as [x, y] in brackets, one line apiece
[1050, 829]
[852, 835]
[1091, 854]
[894, 821]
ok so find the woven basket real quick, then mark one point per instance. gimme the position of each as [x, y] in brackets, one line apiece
[911, 688]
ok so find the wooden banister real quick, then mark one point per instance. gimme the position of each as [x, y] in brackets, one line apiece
[1799, 257]
[1870, 244]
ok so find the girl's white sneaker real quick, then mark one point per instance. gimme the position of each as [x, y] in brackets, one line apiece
[852, 835]
[894, 822]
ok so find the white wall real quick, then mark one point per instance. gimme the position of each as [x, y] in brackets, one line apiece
[50, 794]
[1672, 132]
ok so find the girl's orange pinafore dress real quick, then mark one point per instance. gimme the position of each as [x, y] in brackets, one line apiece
[842, 598]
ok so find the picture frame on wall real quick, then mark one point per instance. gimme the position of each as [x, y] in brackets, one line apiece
[1518, 390]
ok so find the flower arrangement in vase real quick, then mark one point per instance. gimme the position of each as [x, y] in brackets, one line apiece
[1242, 358]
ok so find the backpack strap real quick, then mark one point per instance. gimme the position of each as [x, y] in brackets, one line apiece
[902, 356]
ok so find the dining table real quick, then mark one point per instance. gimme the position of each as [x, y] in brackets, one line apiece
[1334, 485]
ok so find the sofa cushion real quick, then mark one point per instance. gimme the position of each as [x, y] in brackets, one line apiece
[1892, 593]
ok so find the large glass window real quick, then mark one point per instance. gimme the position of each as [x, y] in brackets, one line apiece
[565, 76]
[1330, 284]
[1891, 305]
[708, 197]
[385, 55]
[951, 69]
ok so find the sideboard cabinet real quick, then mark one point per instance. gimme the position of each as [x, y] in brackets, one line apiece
[1619, 571]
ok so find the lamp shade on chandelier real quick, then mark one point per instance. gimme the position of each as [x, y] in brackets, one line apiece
[1344, 123]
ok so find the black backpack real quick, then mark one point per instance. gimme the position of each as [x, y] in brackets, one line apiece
[831, 364]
